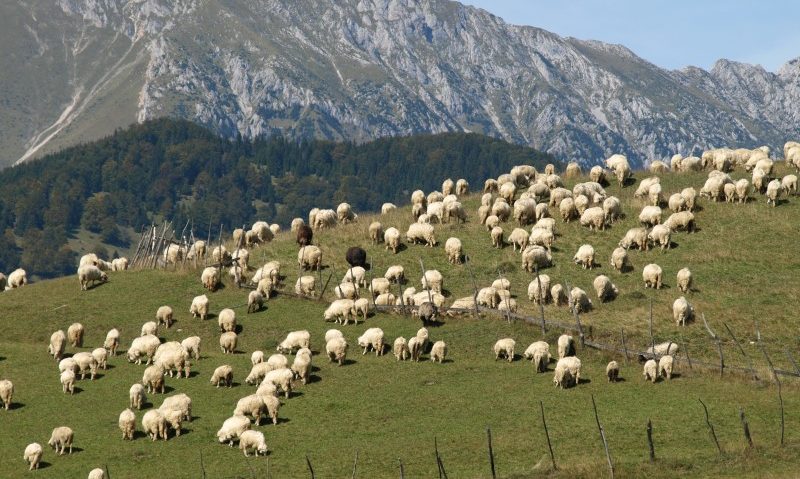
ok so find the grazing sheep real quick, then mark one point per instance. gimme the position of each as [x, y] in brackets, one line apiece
[684, 280]
[539, 354]
[226, 320]
[210, 278]
[535, 256]
[661, 235]
[773, 192]
[253, 441]
[567, 210]
[61, 439]
[164, 315]
[665, 367]
[361, 306]
[676, 203]
[424, 297]
[97, 473]
[154, 424]
[255, 301]
[438, 351]
[682, 311]
[558, 295]
[573, 170]
[17, 279]
[68, 381]
[281, 378]
[112, 341]
[232, 429]
[395, 274]
[566, 346]
[301, 366]
[143, 346]
[199, 307]
[295, 339]
[635, 237]
[400, 349]
[309, 257]
[759, 179]
[101, 356]
[518, 238]
[584, 256]
[252, 405]
[150, 328]
[789, 185]
[525, 211]
[227, 342]
[497, 237]
[650, 216]
[658, 167]
[619, 259]
[682, 220]
[86, 363]
[567, 372]
[650, 371]
[651, 274]
[612, 209]
[742, 188]
[539, 289]
[127, 424]
[137, 396]
[423, 233]
[579, 301]
[153, 379]
[87, 274]
[612, 371]
[597, 174]
[58, 341]
[605, 289]
[594, 218]
[223, 375]
[32, 455]
[504, 347]
[336, 349]
[432, 279]
[306, 286]
[462, 187]
[454, 250]
[372, 338]
[391, 237]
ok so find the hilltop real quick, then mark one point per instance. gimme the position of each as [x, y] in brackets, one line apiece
[386, 410]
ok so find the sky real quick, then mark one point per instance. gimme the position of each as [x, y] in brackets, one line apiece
[671, 34]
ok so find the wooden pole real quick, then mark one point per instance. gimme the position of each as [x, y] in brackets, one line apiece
[202, 467]
[710, 427]
[650, 440]
[778, 382]
[402, 471]
[355, 464]
[741, 350]
[547, 436]
[791, 360]
[719, 345]
[603, 438]
[624, 346]
[438, 460]
[491, 452]
[310, 468]
[686, 351]
[745, 428]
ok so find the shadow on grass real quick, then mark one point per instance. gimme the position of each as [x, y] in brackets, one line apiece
[313, 379]
[44, 465]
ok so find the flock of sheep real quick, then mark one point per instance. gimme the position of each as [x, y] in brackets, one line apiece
[523, 196]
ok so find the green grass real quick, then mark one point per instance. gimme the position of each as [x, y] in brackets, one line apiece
[388, 411]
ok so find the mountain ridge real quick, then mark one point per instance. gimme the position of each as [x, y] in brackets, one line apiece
[359, 70]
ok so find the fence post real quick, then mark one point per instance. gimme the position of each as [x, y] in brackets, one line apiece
[710, 426]
[603, 438]
[719, 345]
[491, 452]
[355, 464]
[650, 440]
[310, 469]
[402, 472]
[547, 435]
[745, 428]
[624, 346]
[777, 381]
[741, 350]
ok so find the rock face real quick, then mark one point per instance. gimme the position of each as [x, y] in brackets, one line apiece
[361, 69]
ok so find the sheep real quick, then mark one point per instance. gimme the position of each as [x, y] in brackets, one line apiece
[101, 356]
[635, 237]
[295, 339]
[180, 403]
[372, 338]
[153, 379]
[68, 364]
[759, 179]
[682, 311]
[488, 297]
[223, 375]
[566, 346]
[255, 301]
[658, 167]
[296, 224]
[17, 279]
[309, 257]
[654, 194]
[227, 342]
[594, 218]
[518, 238]
[220, 255]
[462, 187]
[539, 354]
[650, 216]
[199, 307]
[661, 235]
[433, 280]
[253, 441]
[154, 424]
[612, 372]
[259, 370]
[525, 211]
[97, 473]
[336, 349]
[424, 296]
[236, 273]
[691, 163]
[127, 424]
[302, 365]
[539, 289]
[60, 439]
[304, 235]
[58, 341]
[742, 187]
[88, 274]
[281, 378]
[32, 455]
[68, 381]
[684, 280]
[502, 210]
[400, 349]
[535, 256]
[340, 311]
[455, 210]
[241, 258]
[136, 396]
[210, 278]
[619, 259]
[232, 429]
[665, 367]
[567, 210]
[423, 233]
[683, 220]
[418, 197]
[306, 286]
[553, 181]
[438, 351]
[651, 275]
[86, 363]
[579, 301]
[504, 347]
[252, 405]
[547, 224]
[434, 197]
[497, 237]
[676, 202]
[150, 328]
[226, 320]
[584, 256]
[605, 289]
[567, 372]
[346, 291]
[689, 195]
[650, 371]
[581, 203]
[773, 192]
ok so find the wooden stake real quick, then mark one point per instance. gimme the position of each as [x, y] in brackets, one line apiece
[310, 469]
[547, 436]
[710, 427]
[650, 440]
[603, 438]
[491, 452]
[402, 472]
[741, 350]
[745, 428]
[719, 345]
[624, 346]
[355, 464]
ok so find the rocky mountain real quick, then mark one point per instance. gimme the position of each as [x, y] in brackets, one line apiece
[361, 69]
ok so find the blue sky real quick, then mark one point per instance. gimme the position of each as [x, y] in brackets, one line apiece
[671, 34]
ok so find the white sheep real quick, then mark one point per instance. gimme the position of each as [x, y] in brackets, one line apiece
[650, 216]
[518, 238]
[295, 339]
[395, 274]
[136, 396]
[661, 235]
[253, 441]
[682, 311]
[682, 220]
[97, 473]
[604, 288]
[154, 424]
[281, 378]
[637, 237]
[539, 354]
[336, 349]
[684, 280]
[566, 346]
[340, 310]
[665, 367]
[462, 187]
[68, 381]
[504, 347]
[257, 357]
[88, 274]
[438, 351]
[226, 320]
[227, 342]
[612, 371]
[535, 256]
[619, 259]
[612, 209]
[127, 424]
[594, 218]
[567, 372]
[301, 366]
[32, 455]
[252, 405]
[232, 429]
[255, 301]
[60, 439]
[773, 192]
[372, 338]
[17, 279]
[651, 275]
[579, 301]
[58, 341]
[584, 256]
[306, 286]
[356, 275]
[433, 280]
[101, 356]
[539, 289]
[789, 185]
[310, 257]
[742, 189]
[422, 233]
[86, 363]
[210, 278]
[497, 237]
[164, 315]
[153, 379]
[650, 372]
[400, 349]
[361, 306]
[111, 342]
[454, 250]
[199, 307]
[223, 376]
[391, 237]
[150, 328]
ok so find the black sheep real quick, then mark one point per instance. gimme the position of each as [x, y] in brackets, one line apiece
[356, 257]
[304, 235]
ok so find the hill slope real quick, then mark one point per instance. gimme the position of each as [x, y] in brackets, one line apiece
[354, 69]
[388, 410]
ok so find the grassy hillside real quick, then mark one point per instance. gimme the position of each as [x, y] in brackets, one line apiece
[386, 410]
